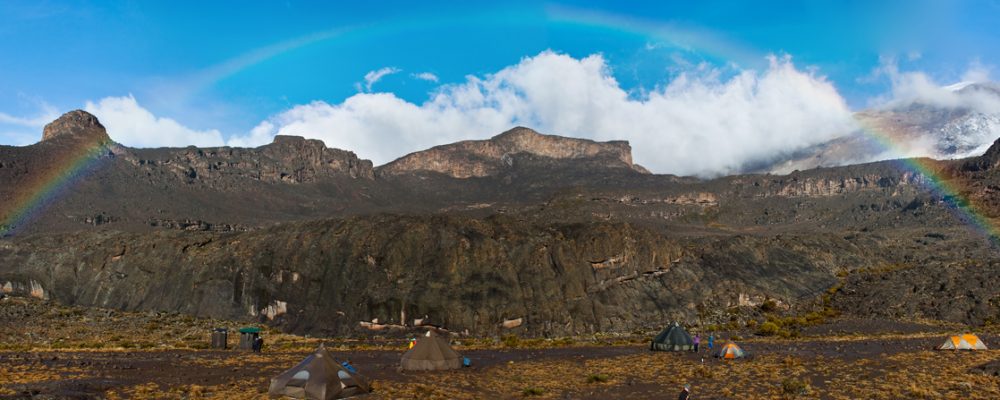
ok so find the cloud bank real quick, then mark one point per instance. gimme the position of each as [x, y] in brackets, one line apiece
[697, 124]
[917, 87]
[132, 125]
[705, 121]
[941, 135]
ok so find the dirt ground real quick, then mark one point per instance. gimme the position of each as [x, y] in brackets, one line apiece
[49, 351]
[890, 368]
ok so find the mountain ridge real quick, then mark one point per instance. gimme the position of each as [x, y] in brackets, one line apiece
[570, 243]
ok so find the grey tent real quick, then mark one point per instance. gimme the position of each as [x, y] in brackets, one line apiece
[674, 338]
[318, 377]
[430, 353]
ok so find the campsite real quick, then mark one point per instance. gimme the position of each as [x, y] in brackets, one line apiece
[876, 359]
[565, 199]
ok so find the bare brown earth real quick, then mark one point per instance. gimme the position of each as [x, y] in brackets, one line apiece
[886, 367]
[50, 351]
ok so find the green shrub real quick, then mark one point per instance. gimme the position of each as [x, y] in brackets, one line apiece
[794, 387]
[510, 340]
[597, 378]
[768, 329]
[533, 391]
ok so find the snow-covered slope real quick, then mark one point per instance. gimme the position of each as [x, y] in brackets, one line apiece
[962, 124]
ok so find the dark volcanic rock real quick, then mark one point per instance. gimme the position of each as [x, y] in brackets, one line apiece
[949, 291]
[466, 274]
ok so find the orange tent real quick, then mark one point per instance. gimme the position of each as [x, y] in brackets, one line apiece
[730, 350]
[967, 341]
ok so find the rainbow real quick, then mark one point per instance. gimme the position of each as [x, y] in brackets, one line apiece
[43, 188]
[965, 208]
[706, 42]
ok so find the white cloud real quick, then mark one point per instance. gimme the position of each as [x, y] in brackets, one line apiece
[426, 76]
[698, 123]
[918, 87]
[24, 130]
[132, 125]
[374, 76]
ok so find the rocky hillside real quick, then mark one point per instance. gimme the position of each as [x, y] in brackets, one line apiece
[546, 235]
[466, 274]
[479, 158]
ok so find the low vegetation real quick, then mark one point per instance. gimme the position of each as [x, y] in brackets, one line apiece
[171, 366]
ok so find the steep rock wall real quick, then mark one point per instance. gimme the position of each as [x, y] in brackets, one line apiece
[326, 277]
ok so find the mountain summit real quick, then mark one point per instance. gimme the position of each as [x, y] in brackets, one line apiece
[77, 125]
[479, 158]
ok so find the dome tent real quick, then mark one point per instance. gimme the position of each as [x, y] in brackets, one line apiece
[963, 342]
[731, 350]
[318, 377]
[673, 338]
[431, 352]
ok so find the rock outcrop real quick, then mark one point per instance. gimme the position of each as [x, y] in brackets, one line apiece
[76, 125]
[288, 159]
[479, 158]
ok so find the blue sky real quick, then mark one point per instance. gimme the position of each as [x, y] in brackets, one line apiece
[228, 67]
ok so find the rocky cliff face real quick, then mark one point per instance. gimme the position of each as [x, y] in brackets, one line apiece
[479, 158]
[288, 159]
[465, 274]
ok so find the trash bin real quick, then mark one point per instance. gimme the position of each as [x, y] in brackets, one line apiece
[220, 338]
[247, 336]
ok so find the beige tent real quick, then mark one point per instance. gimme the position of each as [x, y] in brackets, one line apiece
[963, 342]
[431, 352]
[318, 377]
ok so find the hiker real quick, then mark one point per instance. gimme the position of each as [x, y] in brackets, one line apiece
[258, 344]
[697, 339]
[685, 393]
[711, 341]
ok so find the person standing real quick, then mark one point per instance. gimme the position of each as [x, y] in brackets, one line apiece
[697, 340]
[685, 392]
[711, 341]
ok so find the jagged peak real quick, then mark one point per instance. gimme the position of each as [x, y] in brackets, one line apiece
[76, 124]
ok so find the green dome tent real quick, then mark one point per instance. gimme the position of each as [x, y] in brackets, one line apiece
[674, 338]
